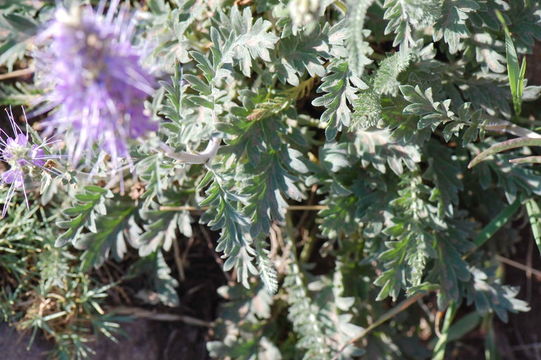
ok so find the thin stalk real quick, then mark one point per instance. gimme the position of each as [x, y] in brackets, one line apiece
[439, 349]
[17, 73]
[384, 318]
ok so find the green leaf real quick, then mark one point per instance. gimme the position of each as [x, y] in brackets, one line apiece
[495, 224]
[110, 235]
[157, 275]
[267, 272]
[414, 230]
[450, 267]
[160, 230]
[514, 72]
[487, 54]
[379, 149]
[20, 24]
[452, 25]
[406, 16]
[169, 30]
[252, 40]
[386, 79]
[446, 173]
[368, 110]
[242, 328]
[301, 54]
[224, 215]
[490, 297]
[358, 49]
[534, 214]
[340, 87]
[90, 204]
[433, 114]
[11, 51]
[323, 332]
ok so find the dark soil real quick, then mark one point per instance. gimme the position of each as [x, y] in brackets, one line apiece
[520, 338]
[16, 345]
[141, 340]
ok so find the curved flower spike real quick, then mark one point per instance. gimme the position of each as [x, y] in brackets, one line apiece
[98, 86]
[507, 145]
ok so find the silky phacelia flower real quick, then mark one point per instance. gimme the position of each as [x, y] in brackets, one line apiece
[96, 82]
[23, 158]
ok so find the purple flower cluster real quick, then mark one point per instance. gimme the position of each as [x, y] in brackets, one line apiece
[95, 83]
[98, 86]
[22, 156]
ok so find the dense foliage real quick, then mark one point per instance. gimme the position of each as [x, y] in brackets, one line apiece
[326, 143]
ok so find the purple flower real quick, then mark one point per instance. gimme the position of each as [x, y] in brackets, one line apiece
[22, 156]
[97, 83]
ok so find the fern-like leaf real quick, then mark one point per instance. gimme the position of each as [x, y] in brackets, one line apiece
[90, 204]
[358, 48]
[340, 87]
[253, 40]
[111, 235]
[452, 24]
[406, 16]
[224, 215]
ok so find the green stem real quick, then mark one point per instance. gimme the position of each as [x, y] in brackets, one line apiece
[501, 219]
[439, 349]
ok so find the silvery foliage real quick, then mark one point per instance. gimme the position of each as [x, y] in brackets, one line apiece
[369, 109]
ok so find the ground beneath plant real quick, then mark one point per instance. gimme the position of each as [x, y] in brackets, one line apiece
[142, 340]
[147, 339]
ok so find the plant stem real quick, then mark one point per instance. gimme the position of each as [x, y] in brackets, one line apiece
[439, 349]
[388, 315]
[17, 73]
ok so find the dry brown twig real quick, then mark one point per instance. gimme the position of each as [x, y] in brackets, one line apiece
[17, 73]
[384, 318]
[519, 266]
[146, 314]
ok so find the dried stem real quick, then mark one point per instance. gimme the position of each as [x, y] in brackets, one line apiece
[519, 266]
[199, 158]
[146, 314]
[17, 73]
[388, 315]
